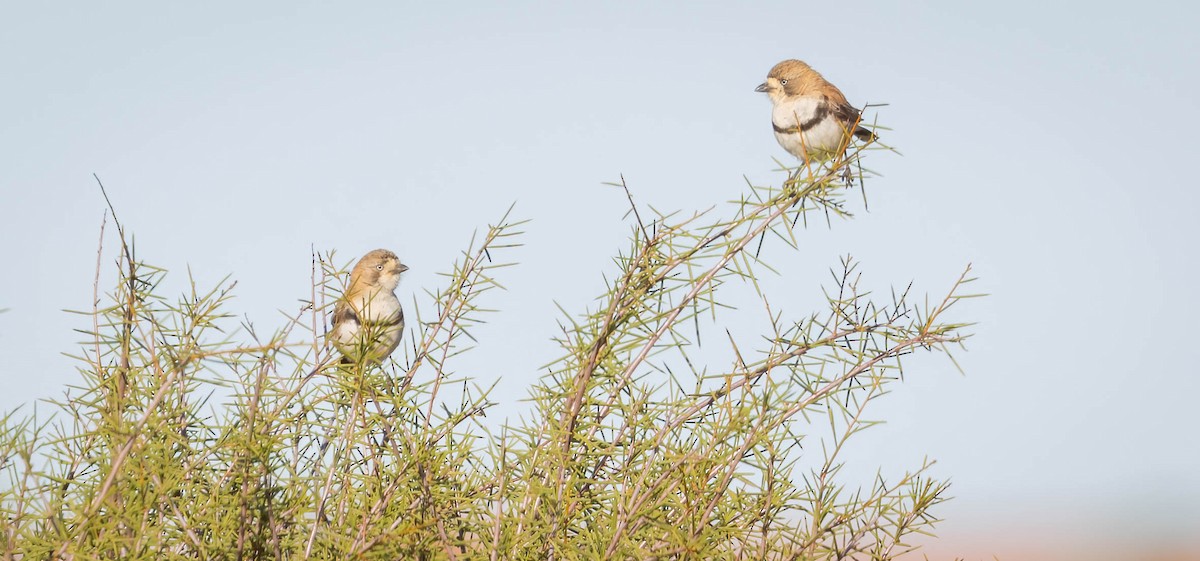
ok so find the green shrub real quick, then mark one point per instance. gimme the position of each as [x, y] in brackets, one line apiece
[631, 450]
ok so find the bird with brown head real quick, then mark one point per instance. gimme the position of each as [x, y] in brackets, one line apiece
[368, 320]
[810, 116]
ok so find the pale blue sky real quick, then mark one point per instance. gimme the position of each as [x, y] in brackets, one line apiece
[1047, 143]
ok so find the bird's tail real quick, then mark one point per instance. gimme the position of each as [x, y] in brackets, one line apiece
[864, 135]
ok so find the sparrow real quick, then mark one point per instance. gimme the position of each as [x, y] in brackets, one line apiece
[367, 319]
[811, 117]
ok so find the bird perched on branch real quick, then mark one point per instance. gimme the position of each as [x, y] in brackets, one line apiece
[811, 117]
[368, 320]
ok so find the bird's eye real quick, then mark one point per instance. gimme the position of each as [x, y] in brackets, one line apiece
[783, 82]
[379, 267]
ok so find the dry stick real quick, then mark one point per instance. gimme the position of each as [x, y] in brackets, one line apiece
[633, 206]
[123, 371]
[96, 295]
[316, 319]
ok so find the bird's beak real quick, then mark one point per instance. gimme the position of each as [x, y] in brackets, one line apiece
[762, 88]
[403, 267]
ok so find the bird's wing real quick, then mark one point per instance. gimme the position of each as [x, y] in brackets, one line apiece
[343, 313]
[848, 114]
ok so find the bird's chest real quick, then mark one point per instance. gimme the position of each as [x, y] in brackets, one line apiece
[806, 125]
[379, 307]
[382, 308]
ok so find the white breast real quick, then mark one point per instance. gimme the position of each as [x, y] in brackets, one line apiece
[380, 306]
[379, 311]
[822, 138]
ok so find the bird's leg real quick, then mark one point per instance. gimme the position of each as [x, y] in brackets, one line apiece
[848, 175]
[797, 175]
[793, 177]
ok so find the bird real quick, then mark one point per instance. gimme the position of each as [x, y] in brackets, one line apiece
[368, 320]
[811, 117]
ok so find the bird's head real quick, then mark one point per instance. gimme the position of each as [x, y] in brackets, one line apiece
[380, 268]
[790, 78]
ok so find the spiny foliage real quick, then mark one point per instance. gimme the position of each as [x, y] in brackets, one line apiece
[190, 437]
